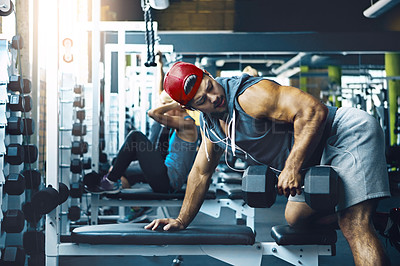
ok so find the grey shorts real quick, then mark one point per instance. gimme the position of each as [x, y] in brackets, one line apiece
[356, 151]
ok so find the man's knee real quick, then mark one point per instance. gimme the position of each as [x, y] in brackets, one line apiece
[297, 213]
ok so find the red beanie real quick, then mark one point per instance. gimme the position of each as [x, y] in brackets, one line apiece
[175, 79]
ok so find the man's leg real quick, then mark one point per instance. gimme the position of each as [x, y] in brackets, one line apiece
[300, 214]
[357, 227]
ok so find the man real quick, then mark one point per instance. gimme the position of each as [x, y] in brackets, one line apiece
[288, 130]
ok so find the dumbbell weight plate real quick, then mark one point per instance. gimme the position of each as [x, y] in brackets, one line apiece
[15, 126]
[13, 221]
[45, 200]
[258, 186]
[15, 184]
[320, 188]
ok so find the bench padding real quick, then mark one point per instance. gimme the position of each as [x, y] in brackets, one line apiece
[135, 234]
[286, 235]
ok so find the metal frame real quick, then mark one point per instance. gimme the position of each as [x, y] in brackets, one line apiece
[240, 255]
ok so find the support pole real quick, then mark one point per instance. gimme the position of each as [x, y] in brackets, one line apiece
[392, 66]
[335, 79]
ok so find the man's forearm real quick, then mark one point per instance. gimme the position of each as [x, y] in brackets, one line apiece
[196, 189]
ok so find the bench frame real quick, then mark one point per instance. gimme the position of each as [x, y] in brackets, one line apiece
[241, 255]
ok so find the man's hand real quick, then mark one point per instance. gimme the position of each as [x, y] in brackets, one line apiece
[167, 223]
[289, 182]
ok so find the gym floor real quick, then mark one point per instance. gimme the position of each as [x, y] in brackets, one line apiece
[265, 219]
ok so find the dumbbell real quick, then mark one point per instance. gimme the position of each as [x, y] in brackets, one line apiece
[78, 89]
[91, 180]
[15, 85]
[18, 126]
[79, 147]
[320, 187]
[74, 213]
[79, 102]
[17, 154]
[31, 153]
[15, 184]
[76, 190]
[14, 126]
[80, 115]
[47, 199]
[20, 103]
[13, 221]
[78, 129]
[76, 166]
[13, 256]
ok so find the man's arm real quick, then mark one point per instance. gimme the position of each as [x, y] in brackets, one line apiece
[197, 186]
[267, 99]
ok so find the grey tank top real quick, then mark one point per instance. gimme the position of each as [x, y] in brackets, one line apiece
[258, 141]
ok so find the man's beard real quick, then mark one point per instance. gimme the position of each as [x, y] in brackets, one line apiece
[220, 115]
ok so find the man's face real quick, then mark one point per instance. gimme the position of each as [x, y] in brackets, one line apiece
[210, 97]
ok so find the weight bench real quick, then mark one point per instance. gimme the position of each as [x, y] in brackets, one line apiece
[143, 196]
[233, 244]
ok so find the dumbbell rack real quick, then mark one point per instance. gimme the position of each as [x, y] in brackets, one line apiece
[72, 147]
[18, 157]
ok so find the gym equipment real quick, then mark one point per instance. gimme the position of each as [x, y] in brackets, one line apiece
[29, 126]
[79, 147]
[15, 126]
[103, 157]
[149, 37]
[31, 153]
[13, 221]
[32, 178]
[15, 184]
[76, 190]
[74, 213]
[320, 187]
[18, 126]
[23, 87]
[33, 242]
[15, 154]
[78, 89]
[78, 129]
[47, 199]
[91, 179]
[233, 244]
[80, 115]
[31, 215]
[18, 103]
[87, 163]
[79, 102]
[14, 256]
[76, 166]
